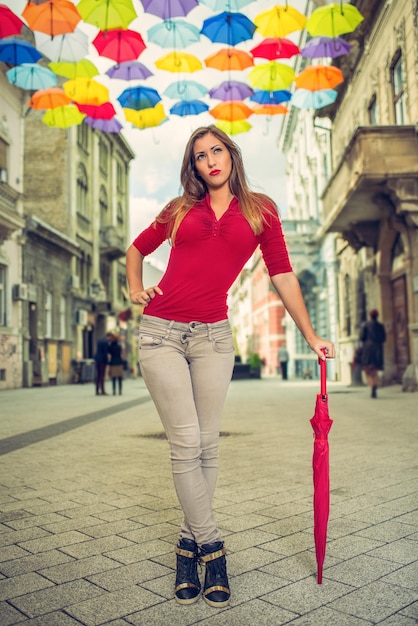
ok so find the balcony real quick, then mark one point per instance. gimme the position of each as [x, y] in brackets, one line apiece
[112, 244]
[378, 170]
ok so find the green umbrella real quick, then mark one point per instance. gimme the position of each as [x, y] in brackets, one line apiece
[107, 14]
[333, 20]
[81, 69]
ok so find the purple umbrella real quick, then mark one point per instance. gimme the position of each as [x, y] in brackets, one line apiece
[129, 70]
[107, 126]
[166, 9]
[231, 90]
[330, 47]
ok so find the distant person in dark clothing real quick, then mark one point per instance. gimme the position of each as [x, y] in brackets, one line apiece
[283, 358]
[116, 364]
[372, 336]
[102, 359]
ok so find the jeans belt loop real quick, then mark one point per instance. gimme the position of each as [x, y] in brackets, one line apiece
[169, 327]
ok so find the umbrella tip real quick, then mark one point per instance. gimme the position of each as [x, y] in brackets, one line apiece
[319, 577]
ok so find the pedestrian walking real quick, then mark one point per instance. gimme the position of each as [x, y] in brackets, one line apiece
[116, 363]
[185, 340]
[283, 358]
[372, 337]
[101, 359]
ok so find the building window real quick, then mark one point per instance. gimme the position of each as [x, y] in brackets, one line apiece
[83, 136]
[347, 303]
[104, 208]
[63, 317]
[373, 111]
[4, 153]
[120, 214]
[398, 89]
[3, 296]
[103, 157]
[120, 179]
[48, 314]
[82, 191]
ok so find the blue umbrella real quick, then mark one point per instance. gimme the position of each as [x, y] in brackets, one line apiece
[305, 99]
[15, 51]
[185, 90]
[329, 47]
[176, 34]
[226, 5]
[231, 90]
[31, 76]
[271, 97]
[139, 98]
[129, 70]
[229, 28]
[189, 107]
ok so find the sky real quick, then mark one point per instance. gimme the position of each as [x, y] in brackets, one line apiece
[154, 173]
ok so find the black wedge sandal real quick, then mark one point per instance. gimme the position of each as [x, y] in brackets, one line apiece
[216, 590]
[187, 587]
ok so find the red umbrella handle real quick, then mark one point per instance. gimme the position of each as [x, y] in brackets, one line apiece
[323, 371]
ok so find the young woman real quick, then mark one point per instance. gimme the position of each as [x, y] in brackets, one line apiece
[186, 346]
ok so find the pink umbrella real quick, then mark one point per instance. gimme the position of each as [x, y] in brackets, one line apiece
[321, 425]
[119, 45]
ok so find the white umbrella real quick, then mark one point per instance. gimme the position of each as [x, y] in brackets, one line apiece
[71, 47]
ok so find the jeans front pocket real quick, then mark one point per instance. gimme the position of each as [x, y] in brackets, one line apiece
[224, 343]
[149, 341]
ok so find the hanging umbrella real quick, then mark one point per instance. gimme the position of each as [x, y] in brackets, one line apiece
[106, 126]
[229, 28]
[119, 45]
[86, 91]
[305, 99]
[10, 23]
[189, 107]
[231, 111]
[272, 76]
[333, 20]
[50, 98]
[185, 90]
[228, 59]
[103, 111]
[146, 118]
[235, 127]
[166, 9]
[231, 90]
[271, 97]
[279, 21]
[31, 76]
[71, 47]
[176, 34]
[330, 47]
[275, 48]
[179, 62]
[63, 117]
[53, 18]
[226, 5]
[129, 70]
[139, 98]
[107, 14]
[321, 425]
[317, 77]
[17, 51]
[80, 69]
[269, 109]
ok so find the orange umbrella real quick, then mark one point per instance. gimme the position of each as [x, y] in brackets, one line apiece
[227, 59]
[279, 21]
[49, 98]
[230, 111]
[269, 109]
[316, 77]
[54, 17]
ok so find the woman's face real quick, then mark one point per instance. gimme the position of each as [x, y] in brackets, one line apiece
[212, 161]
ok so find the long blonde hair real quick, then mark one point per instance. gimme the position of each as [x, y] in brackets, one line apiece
[253, 205]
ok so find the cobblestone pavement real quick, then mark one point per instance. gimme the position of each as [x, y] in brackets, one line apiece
[89, 517]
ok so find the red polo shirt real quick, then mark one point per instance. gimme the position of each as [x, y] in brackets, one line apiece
[206, 259]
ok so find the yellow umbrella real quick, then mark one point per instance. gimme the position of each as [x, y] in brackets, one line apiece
[235, 127]
[271, 76]
[81, 69]
[63, 117]
[279, 21]
[145, 118]
[86, 91]
[179, 62]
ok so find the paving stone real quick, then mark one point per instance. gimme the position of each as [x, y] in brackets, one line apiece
[20, 536]
[12, 552]
[251, 613]
[20, 585]
[50, 542]
[361, 570]
[325, 616]
[36, 520]
[401, 551]
[9, 615]
[140, 552]
[91, 547]
[405, 577]
[34, 562]
[56, 618]
[128, 575]
[80, 568]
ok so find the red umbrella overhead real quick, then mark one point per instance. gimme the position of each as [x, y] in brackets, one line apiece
[10, 23]
[321, 425]
[119, 45]
[103, 111]
[273, 48]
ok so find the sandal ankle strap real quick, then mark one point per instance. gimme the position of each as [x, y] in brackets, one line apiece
[186, 553]
[212, 555]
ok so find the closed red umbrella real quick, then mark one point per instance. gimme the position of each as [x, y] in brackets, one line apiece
[321, 425]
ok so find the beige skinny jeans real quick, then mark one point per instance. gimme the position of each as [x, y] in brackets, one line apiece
[187, 368]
